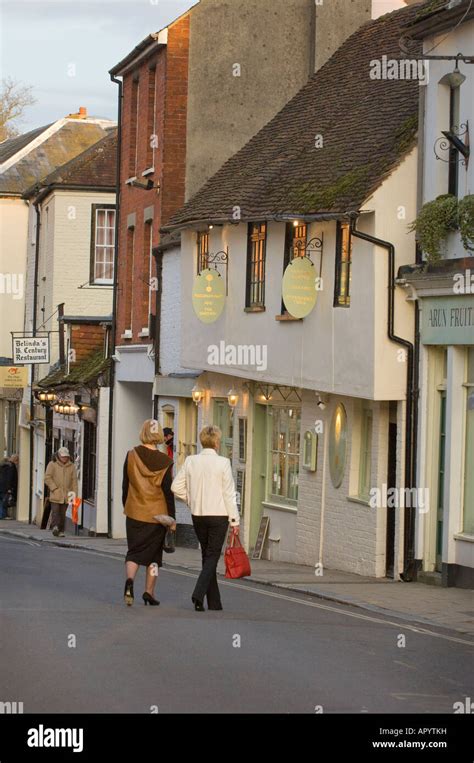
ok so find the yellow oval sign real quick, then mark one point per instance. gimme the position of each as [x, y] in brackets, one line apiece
[300, 287]
[209, 296]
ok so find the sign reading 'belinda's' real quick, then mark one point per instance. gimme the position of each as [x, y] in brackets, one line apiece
[448, 320]
[209, 296]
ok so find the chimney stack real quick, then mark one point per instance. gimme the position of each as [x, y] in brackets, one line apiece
[81, 114]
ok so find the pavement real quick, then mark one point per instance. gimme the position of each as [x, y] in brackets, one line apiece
[70, 645]
[451, 608]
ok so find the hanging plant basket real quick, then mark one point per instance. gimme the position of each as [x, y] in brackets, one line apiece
[466, 222]
[436, 220]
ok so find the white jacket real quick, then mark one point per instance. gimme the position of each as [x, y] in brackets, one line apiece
[205, 483]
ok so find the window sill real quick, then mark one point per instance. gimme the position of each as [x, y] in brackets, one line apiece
[357, 499]
[147, 172]
[280, 507]
[287, 318]
[465, 537]
[127, 335]
[145, 333]
[254, 309]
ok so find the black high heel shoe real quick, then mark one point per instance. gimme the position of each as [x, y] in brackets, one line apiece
[198, 605]
[128, 593]
[148, 599]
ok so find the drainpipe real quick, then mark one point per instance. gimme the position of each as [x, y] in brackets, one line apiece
[409, 571]
[32, 397]
[112, 343]
[158, 255]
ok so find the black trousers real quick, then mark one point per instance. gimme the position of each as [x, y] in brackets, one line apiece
[211, 533]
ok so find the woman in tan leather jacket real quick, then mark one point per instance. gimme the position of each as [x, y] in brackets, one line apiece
[149, 507]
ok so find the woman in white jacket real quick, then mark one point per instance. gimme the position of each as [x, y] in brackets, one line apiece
[206, 484]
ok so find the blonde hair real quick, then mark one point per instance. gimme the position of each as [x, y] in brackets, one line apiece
[151, 433]
[210, 437]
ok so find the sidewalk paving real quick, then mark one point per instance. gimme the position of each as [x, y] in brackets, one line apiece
[451, 608]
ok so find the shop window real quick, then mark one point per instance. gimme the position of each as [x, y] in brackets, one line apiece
[89, 465]
[187, 424]
[224, 420]
[338, 445]
[468, 515]
[256, 260]
[242, 439]
[365, 465]
[342, 291]
[284, 430]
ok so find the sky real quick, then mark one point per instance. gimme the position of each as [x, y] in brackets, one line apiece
[65, 48]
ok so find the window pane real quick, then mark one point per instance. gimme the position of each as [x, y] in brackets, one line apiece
[101, 213]
[468, 523]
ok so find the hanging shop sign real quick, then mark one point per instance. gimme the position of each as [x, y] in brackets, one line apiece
[448, 320]
[300, 287]
[209, 295]
[31, 349]
[13, 377]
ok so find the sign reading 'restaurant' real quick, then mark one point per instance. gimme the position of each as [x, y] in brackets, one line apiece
[209, 296]
[448, 320]
[31, 349]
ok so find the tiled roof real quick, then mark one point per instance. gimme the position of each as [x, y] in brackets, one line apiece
[367, 126]
[84, 372]
[64, 144]
[10, 147]
[96, 167]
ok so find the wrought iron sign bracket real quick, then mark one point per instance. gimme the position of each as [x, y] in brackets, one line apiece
[214, 261]
[452, 140]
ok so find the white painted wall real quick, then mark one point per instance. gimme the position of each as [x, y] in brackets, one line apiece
[435, 175]
[13, 236]
[340, 350]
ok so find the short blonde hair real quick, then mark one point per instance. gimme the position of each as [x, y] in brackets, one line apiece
[152, 433]
[210, 437]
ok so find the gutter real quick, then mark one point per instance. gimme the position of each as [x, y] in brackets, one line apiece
[114, 307]
[409, 571]
[158, 255]
[284, 217]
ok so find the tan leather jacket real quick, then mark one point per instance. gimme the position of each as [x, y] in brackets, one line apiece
[145, 497]
[61, 480]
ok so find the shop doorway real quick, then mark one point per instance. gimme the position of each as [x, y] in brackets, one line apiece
[259, 470]
[224, 420]
[441, 483]
[391, 483]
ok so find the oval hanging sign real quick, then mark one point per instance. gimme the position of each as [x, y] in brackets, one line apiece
[299, 287]
[209, 296]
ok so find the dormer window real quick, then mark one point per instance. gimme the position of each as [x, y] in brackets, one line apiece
[203, 251]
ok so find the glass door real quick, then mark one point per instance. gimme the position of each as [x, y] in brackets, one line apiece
[224, 420]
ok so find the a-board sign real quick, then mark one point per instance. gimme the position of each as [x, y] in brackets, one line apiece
[261, 537]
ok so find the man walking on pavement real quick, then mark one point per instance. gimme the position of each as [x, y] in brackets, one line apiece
[61, 479]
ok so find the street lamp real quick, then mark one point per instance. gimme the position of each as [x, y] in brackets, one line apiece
[233, 398]
[197, 394]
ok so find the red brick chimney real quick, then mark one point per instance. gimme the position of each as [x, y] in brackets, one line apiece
[81, 114]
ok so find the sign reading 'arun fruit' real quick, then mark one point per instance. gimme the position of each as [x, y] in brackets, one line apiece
[209, 294]
[300, 287]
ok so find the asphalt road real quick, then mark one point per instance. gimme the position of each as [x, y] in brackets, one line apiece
[69, 645]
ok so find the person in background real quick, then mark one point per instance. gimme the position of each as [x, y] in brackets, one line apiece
[8, 485]
[61, 479]
[206, 484]
[169, 441]
[149, 507]
[14, 490]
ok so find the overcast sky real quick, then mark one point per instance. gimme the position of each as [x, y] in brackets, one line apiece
[65, 48]
[43, 40]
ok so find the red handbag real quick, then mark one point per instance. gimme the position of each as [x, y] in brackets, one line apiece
[237, 563]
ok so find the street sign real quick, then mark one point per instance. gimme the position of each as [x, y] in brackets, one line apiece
[30, 350]
[13, 377]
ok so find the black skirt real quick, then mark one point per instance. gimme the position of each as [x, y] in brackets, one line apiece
[145, 542]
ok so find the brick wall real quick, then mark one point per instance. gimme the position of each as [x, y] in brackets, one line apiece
[163, 73]
[86, 339]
